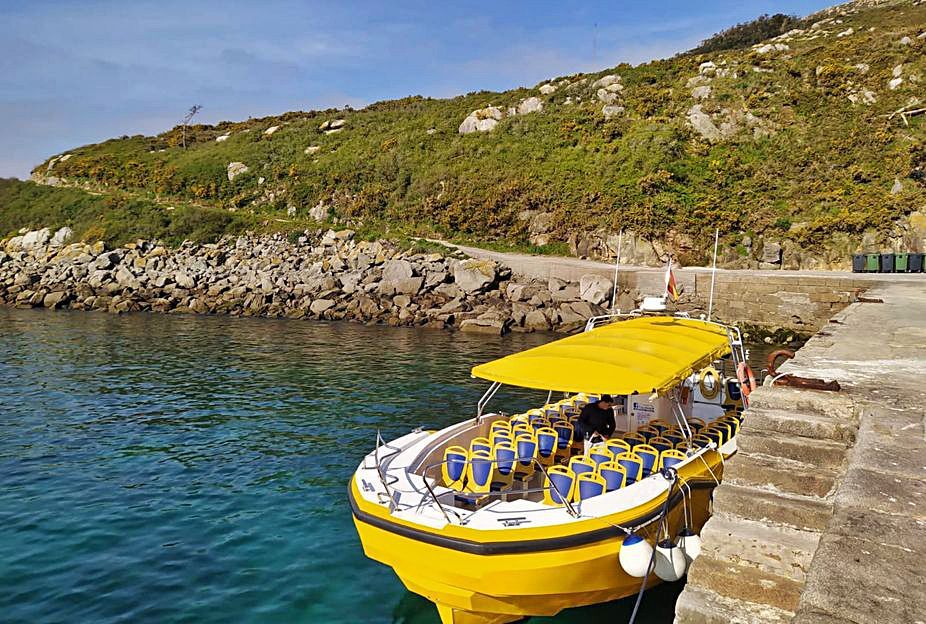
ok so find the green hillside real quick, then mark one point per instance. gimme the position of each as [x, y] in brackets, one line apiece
[792, 140]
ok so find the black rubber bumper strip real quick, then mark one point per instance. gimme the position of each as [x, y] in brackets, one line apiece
[512, 547]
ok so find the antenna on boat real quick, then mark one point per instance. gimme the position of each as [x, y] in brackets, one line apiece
[617, 266]
[710, 304]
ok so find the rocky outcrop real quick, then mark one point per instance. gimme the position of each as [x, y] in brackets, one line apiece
[323, 275]
[481, 120]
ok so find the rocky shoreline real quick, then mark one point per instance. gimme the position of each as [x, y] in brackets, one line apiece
[317, 275]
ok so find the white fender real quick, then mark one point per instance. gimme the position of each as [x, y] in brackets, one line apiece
[634, 555]
[670, 561]
[690, 544]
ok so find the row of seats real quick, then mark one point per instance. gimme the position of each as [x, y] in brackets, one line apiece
[602, 471]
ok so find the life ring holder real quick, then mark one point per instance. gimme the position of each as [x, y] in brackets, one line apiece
[771, 364]
[746, 378]
[706, 392]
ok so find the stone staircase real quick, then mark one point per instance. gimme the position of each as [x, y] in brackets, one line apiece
[769, 514]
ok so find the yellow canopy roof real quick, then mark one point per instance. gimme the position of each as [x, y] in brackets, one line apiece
[640, 355]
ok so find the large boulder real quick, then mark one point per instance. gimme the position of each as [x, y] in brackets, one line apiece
[595, 289]
[536, 320]
[530, 105]
[606, 81]
[235, 169]
[62, 236]
[473, 275]
[397, 270]
[319, 212]
[35, 238]
[481, 120]
[321, 305]
[494, 327]
[402, 286]
[771, 252]
[702, 123]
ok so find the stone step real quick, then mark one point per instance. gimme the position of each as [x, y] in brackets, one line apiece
[777, 474]
[812, 402]
[801, 424]
[782, 551]
[745, 583]
[697, 605]
[826, 454]
[801, 512]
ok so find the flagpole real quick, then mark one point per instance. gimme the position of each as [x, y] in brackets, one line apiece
[710, 304]
[617, 266]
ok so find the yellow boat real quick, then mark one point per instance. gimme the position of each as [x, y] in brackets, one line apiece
[503, 516]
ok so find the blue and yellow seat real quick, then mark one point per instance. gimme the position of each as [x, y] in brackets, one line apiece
[477, 445]
[547, 441]
[668, 459]
[661, 444]
[589, 485]
[505, 461]
[525, 445]
[600, 453]
[580, 464]
[633, 466]
[650, 457]
[618, 445]
[633, 438]
[558, 485]
[614, 475]
[453, 469]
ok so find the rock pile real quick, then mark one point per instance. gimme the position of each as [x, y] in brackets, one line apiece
[326, 275]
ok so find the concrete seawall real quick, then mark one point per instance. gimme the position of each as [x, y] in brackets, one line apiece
[821, 518]
[797, 300]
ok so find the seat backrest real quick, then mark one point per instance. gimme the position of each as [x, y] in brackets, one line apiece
[633, 438]
[526, 448]
[453, 470]
[521, 428]
[588, 485]
[539, 423]
[618, 446]
[505, 455]
[564, 433]
[713, 433]
[633, 465]
[684, 446]
[722, 427]
[500, 436]
[481, 472]
[670, 458]
[580, 464]
[661, 444]
[700, 441]
[696, 424]
[558, 485]
[648, 432]
[480, 444]
[733, 390]
[614, 475]
[600, 453]
[660, 425]
[546, 442]
[673, 436]
[650, 457]
[501, 425]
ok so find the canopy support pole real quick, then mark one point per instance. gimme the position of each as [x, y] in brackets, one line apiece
[486, 398]
[710, 304]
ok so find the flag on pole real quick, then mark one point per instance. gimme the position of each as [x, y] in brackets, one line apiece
[671, 286]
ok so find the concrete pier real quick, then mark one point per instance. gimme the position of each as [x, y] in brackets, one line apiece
[821, 518]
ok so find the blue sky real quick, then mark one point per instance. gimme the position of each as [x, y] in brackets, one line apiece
[76, 72]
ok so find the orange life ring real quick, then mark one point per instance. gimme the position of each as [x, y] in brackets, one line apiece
[744, 375]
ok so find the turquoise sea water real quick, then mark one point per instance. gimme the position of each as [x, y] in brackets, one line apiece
[194, 469]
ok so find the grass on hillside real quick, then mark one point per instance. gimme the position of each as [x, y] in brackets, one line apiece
[401, 168]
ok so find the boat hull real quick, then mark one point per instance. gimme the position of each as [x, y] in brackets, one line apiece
[489, 582]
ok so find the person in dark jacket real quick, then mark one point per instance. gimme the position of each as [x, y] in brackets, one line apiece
[597, 419]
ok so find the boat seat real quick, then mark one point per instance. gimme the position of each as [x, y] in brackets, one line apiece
[547, 441]
[525, 445]
[505, 456]
[588, 485]
[661, 444]
[480, 473]
[700, 441]
[633, 438]
[633, 466]
[660, 425]
[558, 485]
[614, 475]
[684, 446]
[696, 424]
[670, 458]
[713, 433]
[477, 445]
[600, 453]
[649, 432]
[500, 436]
[580, 464]
[617, 445]
[650, 457]
[453, 468]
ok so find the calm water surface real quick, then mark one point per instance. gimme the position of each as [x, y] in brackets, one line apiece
[194, 469]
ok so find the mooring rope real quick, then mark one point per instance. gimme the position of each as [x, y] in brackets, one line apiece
[672, 476]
